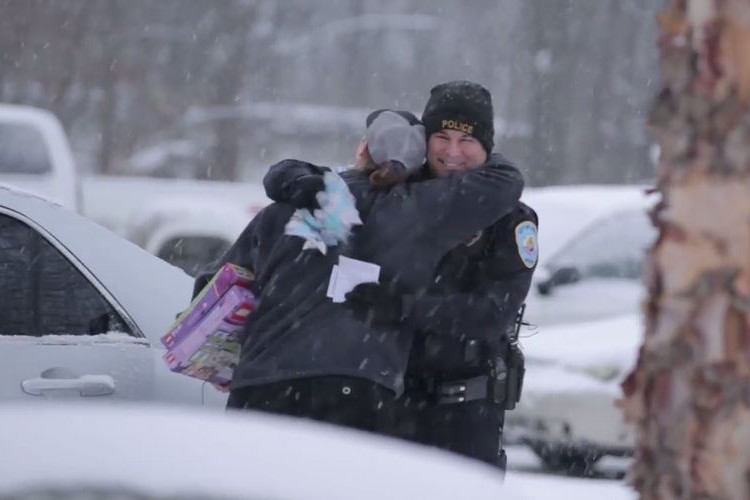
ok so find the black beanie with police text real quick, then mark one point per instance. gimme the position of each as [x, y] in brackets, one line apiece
[464, 106]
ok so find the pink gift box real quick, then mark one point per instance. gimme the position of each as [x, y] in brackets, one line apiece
[205, 342]
[228, 276]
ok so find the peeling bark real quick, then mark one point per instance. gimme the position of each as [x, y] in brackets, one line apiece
[689, 394]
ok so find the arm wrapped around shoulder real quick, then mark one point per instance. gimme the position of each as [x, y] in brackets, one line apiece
[295, 182]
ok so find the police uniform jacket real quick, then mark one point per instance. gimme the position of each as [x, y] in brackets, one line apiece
[464, 320]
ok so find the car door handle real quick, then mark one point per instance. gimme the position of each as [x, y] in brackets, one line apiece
[87, 385]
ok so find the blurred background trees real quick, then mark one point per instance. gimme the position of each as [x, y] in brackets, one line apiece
[220, 90]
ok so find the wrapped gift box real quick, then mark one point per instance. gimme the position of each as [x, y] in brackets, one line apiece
[205, 341]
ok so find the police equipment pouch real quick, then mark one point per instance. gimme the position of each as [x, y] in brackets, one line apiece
[502, 386]
[516, 372]
[516, 365]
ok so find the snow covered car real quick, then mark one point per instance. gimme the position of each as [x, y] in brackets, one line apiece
[131, 452]
[591, 241]
[83, 310]
[584, 305]
[568, 413]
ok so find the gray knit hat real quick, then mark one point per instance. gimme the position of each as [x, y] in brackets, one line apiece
[396, 136]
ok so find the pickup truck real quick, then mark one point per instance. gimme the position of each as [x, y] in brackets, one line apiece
[185, 222]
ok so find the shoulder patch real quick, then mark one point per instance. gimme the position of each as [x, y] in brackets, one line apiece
[526, 241]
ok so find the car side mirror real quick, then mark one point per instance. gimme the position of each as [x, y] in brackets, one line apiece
[559, 277]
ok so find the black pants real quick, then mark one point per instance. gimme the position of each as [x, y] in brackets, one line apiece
[347, 401]
[472, 429]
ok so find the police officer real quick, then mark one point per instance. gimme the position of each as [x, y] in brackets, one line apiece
[465, 368]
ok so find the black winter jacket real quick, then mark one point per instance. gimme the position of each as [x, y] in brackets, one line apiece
[479, 288]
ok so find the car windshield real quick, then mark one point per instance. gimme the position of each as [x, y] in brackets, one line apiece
[22, 150]
[611, 247]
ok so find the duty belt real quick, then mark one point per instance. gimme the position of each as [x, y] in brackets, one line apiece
[502, 383]
[502, 386]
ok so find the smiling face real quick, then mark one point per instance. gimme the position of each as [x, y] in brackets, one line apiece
[450, 151]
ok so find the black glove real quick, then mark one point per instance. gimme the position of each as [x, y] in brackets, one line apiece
[295, 182]
[375, 303]
[302, 191]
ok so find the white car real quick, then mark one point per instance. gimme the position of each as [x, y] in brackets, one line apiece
[592, 240]
[83, 311]
[584, 310]
[568, 412]
[128, 452]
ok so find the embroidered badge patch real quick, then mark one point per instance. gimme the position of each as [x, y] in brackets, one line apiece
[526, 241]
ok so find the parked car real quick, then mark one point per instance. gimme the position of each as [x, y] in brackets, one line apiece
[584, 306]
[129, 452]
[83, 310]
[568, 414]
[186, 222]
[592, 240]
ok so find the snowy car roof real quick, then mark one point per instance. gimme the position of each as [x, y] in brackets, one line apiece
[565, 210]
[168, 453]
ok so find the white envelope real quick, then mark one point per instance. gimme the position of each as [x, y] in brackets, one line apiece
[349, 273]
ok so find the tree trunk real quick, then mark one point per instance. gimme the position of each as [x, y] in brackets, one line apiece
[689, 394]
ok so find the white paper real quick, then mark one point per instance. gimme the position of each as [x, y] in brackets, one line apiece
[348, 274]
[332, 281]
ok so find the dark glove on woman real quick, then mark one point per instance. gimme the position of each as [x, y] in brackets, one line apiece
[295, 182]
[303, 191]
[373, 302]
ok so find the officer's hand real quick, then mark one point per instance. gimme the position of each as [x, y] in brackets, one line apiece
[304, 189]
[372, 302]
